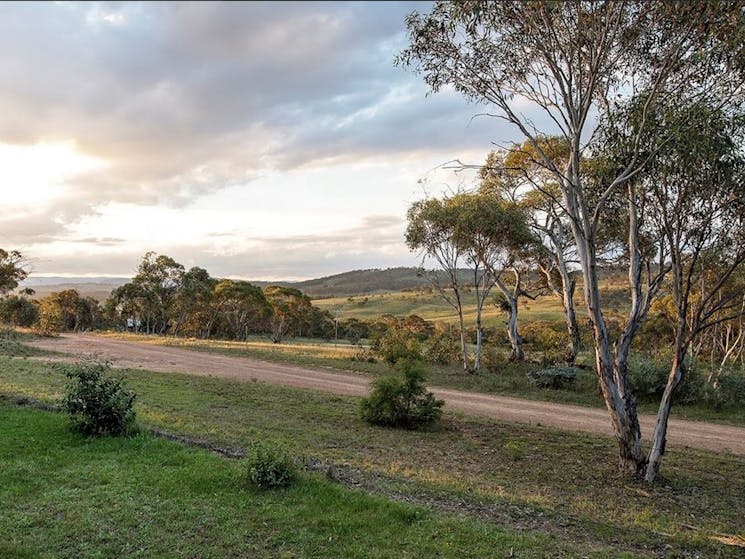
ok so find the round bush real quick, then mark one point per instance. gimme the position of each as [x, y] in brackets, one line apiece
[268, 468]
[402, 401]
[97, 403]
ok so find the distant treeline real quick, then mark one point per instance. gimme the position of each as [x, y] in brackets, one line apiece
[165, 298]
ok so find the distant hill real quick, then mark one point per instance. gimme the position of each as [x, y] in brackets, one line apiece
[356, 282]
[366, 282]
[97, 287]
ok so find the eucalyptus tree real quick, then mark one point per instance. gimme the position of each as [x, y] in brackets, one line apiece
[242, 305]
[517, 174]
[692, 212]
[432, 232]
[12, 270]
[192, 300]
[571, 61]
[495, 237]
[291, 312]
[159, 277]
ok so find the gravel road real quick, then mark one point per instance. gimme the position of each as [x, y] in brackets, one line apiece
[138, 355]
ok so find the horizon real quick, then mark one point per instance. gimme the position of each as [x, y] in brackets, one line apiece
[199, 131]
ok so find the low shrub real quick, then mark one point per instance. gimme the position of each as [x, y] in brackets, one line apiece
[442, 350]
[729, 390]
[402, 400]
[554, 377]
[494, 359]
[648, 379]
[268, 468]
[364, 355]
[515, 450]
[97, 403]
[399, 344]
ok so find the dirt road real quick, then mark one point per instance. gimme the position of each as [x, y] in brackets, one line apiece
[136, 355]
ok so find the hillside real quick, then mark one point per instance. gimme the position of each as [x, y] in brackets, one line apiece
[367, 282]
[97, 287]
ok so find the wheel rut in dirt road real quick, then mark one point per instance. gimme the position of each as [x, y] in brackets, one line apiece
[160, 358]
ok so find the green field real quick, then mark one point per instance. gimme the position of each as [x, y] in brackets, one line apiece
[486, 487]
[431, 306]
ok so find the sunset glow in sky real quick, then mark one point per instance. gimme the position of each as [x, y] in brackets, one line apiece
[257, 140]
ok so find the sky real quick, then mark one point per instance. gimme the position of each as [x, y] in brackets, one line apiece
[256, 140]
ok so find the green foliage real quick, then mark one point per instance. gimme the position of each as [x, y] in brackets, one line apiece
[402, 401]
[67, 310]
[18, 311]
[441, 349]
[97, 403]
[555, 377]
[648, 379]
[399, 344]
[494, 360]
[269, 468]
[515, 450]
[291, 312]
[544, 335]
[11, 270]
[729, 390]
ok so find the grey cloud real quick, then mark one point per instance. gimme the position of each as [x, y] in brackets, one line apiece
[189, 97]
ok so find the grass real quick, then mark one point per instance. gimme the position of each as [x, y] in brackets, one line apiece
[431, 306]
[67, 496]
[546, 482]
[511, 380]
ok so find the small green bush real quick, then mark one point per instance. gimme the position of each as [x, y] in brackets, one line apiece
[269, 468]
[648, 379]
[494, 360]
[729, 391]
[515, 450]
[555, 377]
[399, 344]
[441, 350]
[97, 403]
[402, 401]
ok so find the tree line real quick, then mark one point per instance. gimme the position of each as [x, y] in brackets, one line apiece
[165, 298]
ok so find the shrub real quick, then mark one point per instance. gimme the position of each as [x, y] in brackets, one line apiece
[442, 350]
[399, 344]
[493, 359]
[402, 401]
[97, 403]
[555, 377]
[269, 468]
[648, 379]
[364, 355]
[729, 391]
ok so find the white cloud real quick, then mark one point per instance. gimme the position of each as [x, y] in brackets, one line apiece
[218, 131]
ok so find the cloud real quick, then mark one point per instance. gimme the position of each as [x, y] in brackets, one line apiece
[184, 101]
[374, 242]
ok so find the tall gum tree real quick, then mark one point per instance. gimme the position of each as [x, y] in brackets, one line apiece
[432, 232]
[571, 61]
[518, 174]
[494, 234]
[694, 214]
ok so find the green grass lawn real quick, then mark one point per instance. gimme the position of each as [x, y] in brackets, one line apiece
[561, 490]
[67, 496]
